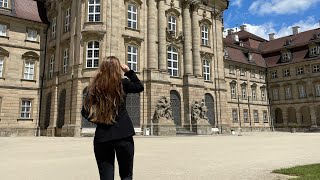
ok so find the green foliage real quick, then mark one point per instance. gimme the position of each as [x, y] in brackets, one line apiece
[307, 172]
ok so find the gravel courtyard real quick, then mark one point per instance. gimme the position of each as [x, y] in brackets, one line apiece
[249, 157]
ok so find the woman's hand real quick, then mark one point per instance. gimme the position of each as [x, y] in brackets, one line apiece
[125, 68]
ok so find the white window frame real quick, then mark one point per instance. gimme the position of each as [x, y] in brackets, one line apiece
[244, 92]
[252, 73]
[317, 89]
[314, 50]
[172, 52]
[1, 66]
[242, 72]
[94, 50]
[256, 116]
[254, 93]
[234, 115]
[3, 30]
[316, 68]
[32, 35]
[245, 116]
[288, 92]
[54, 28]
[275, 94]
[286, 56]
[132, 57]
[261, 75]
[67, 20]
[96, 15]
[302, 91]
[172, 24]
[205, 35]
[51, 66]
[65, 60]
[274, 75]
[206, 70]
[231, 69]
[29, 69]
[263, 94]
[300, 71]
[4, 3]
[233, 91]
[25, 108]
[286, 73]
[133, 11]
[265, 116]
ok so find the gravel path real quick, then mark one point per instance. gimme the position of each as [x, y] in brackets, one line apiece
[249, 157]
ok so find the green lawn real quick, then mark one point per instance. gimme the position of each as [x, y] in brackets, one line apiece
[307, 172]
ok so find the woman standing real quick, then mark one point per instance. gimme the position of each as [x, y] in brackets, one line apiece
[105, 106]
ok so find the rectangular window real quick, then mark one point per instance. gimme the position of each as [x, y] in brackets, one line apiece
[132, 16]
[234, 115]
[94, 11]
[4, 3]
[288, 92]
[32, 35]
[300, 70]
[317, 87]
[242, 72]
[286, 73]
[245, 115]
[275, 93]
[233, 91]
[274, 75]
[286, 56]
[133, 57]
[254, 94]
[252, 73]
[256, 116]
[265, 117]
[244, 92]
[172, 57]
[261, 75]
[1, 67]
[316, 68]
[205, 35]
[53, 28]
[65, 60]
[263, 94]
[231, 69]
[93, 54]
[314, 50]
[172, 25]
[29, 70]
[206, 70]
[302, 92]
[51, 67]
[25, 111]
[3, 30]
[67, 20]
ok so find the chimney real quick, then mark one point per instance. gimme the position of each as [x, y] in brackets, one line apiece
[230, 31]
[243, 28]
[271, 36]
[295, 30]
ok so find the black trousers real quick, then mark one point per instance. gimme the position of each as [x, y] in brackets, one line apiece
[105, 154]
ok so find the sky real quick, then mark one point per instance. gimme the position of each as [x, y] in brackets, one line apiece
[263, 17]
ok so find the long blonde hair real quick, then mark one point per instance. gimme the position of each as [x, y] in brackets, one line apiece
[105, 92]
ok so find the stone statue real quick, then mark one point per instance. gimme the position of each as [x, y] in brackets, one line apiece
[163, 109]
[203, 109]
[198, 111]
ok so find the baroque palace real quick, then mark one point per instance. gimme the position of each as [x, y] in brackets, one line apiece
[50, 49]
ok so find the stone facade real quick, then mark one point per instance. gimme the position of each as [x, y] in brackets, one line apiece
[22, 48]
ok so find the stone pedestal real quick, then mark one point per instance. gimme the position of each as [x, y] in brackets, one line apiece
[70, 130]
[51, 131]
[164, 127]
[202, 127]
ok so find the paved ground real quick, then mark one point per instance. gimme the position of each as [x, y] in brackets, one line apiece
[247, 157]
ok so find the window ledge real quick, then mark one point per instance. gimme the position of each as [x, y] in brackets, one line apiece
[207, 46]
[93, 23]
[30, 41]
[24, 119]
[2, 78]
[208, 81]
[131, 29]
[5, 8]
[4, 37]
[175, 77]
[29, 80]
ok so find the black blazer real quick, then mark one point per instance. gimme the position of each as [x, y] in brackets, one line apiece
[123, 127]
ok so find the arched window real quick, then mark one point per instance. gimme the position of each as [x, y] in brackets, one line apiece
[84, 122]
[176, 107]
[92, 54]
[172, 25]
[210, 106]
[133, 108]
[132, 57]
[61, 108]
[173, 66]
[94, 10]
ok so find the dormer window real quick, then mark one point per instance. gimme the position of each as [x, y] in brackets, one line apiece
[249, 56]
[225, 53]
[288, 42]
[314, 50]
[286, 56]
[274, 75]
[241, 43]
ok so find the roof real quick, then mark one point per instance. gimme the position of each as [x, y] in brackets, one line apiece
[237, 55]
[26, 9]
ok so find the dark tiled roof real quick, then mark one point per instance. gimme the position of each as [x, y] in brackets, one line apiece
[238, 55]
[25, 9]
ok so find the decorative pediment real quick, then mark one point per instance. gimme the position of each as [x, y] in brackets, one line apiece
[175, 39]
[263, 87]
[233, 82]
[137, 2]
[30, 55]
[66, 3]
[206, 55]
[92, 35]
[205, 21]
[244, 83]
[4, 52]
[172, 11]
[254, 85]
[132, 40]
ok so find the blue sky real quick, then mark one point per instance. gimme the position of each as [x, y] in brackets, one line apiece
[273, 16]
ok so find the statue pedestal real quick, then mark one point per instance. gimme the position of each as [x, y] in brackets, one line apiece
[164, 127]
[202, 127]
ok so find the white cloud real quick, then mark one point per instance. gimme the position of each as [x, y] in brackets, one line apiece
[236, 3]
[264, 29]
[262, 7]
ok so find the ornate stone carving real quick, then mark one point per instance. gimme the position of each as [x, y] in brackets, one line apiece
[163, 109]
[131, 39]
[218, 15]
[177, 39]
[198, 111]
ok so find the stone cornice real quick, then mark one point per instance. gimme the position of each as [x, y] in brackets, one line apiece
[205, 21]
[131, 39]
[173, 11]
[4, 52]
[138, 2]
[30, 55]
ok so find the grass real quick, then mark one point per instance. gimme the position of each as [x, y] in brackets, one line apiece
[307, 172]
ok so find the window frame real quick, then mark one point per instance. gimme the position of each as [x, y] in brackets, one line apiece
[252, 73]
[206, 69]
[231, 69]
[286, 73]
[244, 92]
[315, 68]
[300, 70]
[171, 61]
[130, 21]
[254, 93]
[245, 116]
[265, 116]
[317, 89]
[263, 94]
[274, 74]
[132, 54]
[275, 94]
[34, 39]
[302, 91]
[5, 34]
[21, 111]
[242, 72]
[2, 5]
[65, 60]
[51, 66]
[233, 90]
[94, 13]
[255, 116]
[234, 116]
[67, 18]
[54, 28]
[288, 92]
[92, 59]
[205, 31]
[171, 24]
[29, 73]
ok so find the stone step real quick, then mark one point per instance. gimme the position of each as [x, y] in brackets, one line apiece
[185, 133]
